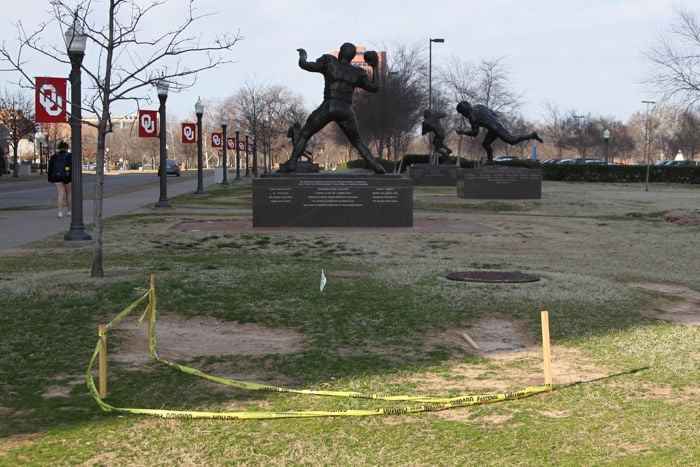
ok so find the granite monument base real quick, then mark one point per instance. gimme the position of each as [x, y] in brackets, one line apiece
[433, 175]
[499, 182]
[332, 200]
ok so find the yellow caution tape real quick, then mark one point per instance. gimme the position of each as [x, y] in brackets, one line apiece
[427, 404]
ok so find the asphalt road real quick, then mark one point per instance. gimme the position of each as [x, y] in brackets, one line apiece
[28, 204]
[37, 191]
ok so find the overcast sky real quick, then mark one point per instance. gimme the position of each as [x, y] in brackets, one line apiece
[582, 55]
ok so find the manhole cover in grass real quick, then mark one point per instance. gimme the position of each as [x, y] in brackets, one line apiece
[492, 277]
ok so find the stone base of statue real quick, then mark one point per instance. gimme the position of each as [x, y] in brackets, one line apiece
[300, 167]
[331, 199]
[499, 182]
[433, 175]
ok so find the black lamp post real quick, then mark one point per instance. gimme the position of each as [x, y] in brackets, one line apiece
[224, 124]
[238, 153]
[199, 110]
[606, 137]
[255, 158]
[75, 43]
[247, 133]
[38, 137]
[162, 89]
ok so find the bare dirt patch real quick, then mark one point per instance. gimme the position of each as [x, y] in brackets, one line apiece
[683, 307]
[181, 338]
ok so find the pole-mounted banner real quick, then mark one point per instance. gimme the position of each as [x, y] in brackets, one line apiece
[50, 100]
[189, 133]
[216, 140]
[148, 123]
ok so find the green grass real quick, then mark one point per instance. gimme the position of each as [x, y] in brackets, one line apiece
[626, 384]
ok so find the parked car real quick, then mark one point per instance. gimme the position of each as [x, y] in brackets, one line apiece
[171, 168]
[504, 158]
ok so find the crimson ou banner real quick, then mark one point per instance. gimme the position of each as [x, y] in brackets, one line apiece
[148, 127]
[50, 100]
[189, 133]
[216, 140]
[231, 143]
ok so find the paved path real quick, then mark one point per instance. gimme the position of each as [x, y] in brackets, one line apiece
[25, 226]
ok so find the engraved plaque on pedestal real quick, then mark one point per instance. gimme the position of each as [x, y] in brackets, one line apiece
[332, 200]
[499, 182]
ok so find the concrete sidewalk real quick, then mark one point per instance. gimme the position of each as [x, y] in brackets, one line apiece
[25, 226]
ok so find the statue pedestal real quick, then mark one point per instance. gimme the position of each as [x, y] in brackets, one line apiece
[332, 200]
[433, 175]
[499, 182]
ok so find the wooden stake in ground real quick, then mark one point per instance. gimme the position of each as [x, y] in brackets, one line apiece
[546, 351]
[102, 332]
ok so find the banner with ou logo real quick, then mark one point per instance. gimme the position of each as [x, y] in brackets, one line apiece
[216, 140]
[189, 133]
[50, 100]
[148, 127]
[231, 143]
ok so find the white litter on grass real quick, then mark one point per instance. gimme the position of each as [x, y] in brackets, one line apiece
[323, 280]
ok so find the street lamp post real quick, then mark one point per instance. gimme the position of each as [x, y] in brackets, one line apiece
[606, 137]
[224, 124]
[199, 110]
[430, 69]
[75, 43]
[247, 133]
[162, 89]
[255, 158]
[647, 141]
[38, 137]
[238, 153]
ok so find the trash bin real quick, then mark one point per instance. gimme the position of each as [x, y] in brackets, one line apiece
[218, 173]
[25, 168]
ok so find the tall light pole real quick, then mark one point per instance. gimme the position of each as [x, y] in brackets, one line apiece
[162, 90]
[199, 110]
[606, 137]
[247, 133]
[430, 69]
[224, 124]
[255, 158]
[75, 43]
[39, 137]
[238, 152]
[647, 141]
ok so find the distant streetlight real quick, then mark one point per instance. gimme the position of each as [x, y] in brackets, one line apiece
[647, 141]
[247, 133]
[162, 90]
[224, 124]
[238, 152]
[38, 137]
[430, 69]
[255, 158]
[199, 111]
[76, 42]
[606, 137]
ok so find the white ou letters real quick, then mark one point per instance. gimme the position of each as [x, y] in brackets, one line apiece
[148, 124]
[188, 133]
[50, 100]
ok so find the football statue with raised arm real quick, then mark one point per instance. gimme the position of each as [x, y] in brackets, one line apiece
[341, 79]
[480, 116]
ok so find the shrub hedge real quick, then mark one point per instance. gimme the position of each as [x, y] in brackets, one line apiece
[567, 172]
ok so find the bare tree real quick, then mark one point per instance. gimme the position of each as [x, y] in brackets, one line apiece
[17, 114]
[130, 63]
[388, 119]
[673, 59]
